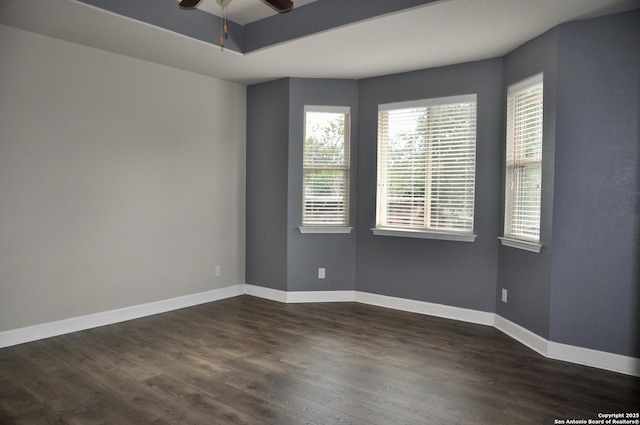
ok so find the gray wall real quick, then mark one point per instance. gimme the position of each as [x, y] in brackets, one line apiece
[583, 287]
[453, 273]
[527, 275]
[308, 252]
[595, 294]
[278, 255]
[267, 174]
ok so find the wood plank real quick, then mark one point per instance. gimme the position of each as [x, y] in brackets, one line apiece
[250, 361]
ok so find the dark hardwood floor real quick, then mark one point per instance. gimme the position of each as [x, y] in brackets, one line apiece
[250, 361]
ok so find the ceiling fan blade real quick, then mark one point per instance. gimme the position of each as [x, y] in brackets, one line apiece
[189, 4]
[281, 6]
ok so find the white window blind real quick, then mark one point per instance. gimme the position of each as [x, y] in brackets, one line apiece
[326, 166]
[426, 165]
[524, 160]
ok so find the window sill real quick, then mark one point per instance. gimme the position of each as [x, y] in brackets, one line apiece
[520, 244]
[422, 234]
[325, 229]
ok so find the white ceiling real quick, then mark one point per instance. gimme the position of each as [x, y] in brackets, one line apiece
[437, 34]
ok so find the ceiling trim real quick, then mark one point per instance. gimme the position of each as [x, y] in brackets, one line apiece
[168, 15]
[436, 34]
[319, 16]
[316, 17]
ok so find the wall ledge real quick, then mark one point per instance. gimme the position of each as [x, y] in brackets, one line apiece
[549, 349]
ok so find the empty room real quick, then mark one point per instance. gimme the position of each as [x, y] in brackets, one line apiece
[319, 212]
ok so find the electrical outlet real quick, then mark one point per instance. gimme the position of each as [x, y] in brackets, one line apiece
[218, 271]
[321, 273]
[504, 295]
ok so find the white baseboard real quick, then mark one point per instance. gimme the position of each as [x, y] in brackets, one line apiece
[569, 353]
[553, 350]
[321, 296]
[60, 327]
[522, 335]
[423, 307]
[594, 358]
[266, 293]
[299, 296]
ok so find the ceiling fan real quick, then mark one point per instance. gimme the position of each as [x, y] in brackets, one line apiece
[280, 6]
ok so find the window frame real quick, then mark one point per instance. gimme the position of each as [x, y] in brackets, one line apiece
[342, 227]
[382, 227]
[519, 166]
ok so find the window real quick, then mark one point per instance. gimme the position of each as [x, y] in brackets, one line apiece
[426, 168]
[326, 170]
[523, 176]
